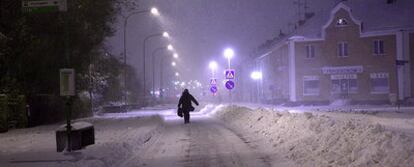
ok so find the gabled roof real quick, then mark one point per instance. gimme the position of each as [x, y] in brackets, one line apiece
[375, 15]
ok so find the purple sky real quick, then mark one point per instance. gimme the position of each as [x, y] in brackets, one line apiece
[202, 29]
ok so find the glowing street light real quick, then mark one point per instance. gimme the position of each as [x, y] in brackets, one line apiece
[173, 64]
[228, 53]
[213, 65]
[177, 74]
[154, 11]
[175, 55]
[170, 47]
[256, 75]
[166, 35]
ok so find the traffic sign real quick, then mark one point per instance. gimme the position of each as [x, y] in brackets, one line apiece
[213, 89]
[67, 82]
[213, 81]
[230, 73]
[229, 85]
[44, 6]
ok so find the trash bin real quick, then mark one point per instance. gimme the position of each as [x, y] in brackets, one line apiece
[82, 135]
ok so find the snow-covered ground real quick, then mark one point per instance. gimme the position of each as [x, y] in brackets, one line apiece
[116, 139]
[341, 137]
[223, 135]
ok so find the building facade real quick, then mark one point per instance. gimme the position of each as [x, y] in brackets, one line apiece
[342, 61]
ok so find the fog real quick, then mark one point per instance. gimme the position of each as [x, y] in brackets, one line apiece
[201, 30]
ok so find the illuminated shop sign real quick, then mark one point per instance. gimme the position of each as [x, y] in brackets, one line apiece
[342, 70]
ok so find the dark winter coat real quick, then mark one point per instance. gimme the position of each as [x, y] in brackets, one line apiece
[185, 102]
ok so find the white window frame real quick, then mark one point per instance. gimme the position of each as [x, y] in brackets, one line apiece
[310, 78]
[341, 49]
[380, 75]
[377, 47]
[310, 51]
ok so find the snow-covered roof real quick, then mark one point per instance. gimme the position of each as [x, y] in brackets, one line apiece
[376, 15]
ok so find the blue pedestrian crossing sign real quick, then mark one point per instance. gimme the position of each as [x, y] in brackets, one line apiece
[230, 73]
[213, 81]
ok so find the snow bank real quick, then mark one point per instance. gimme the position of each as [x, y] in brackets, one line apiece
[116, 142]
[319, 140]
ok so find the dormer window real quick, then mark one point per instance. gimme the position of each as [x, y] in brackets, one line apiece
[341, 22]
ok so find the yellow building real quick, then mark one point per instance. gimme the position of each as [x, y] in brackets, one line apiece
[359, 54]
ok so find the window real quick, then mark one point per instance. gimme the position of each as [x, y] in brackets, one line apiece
[341, 22]
[344, 83]
[379, 83]
[378, 47]
[343, 49]
[310, 51]
[311, 85]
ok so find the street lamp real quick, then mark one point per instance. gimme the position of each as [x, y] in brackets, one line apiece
[163, 34]
[213, 67]
[177, 74]
[257, 76]
[175, 55]
[153, 11]
[170, 47]
[153, 65]
[228, 53]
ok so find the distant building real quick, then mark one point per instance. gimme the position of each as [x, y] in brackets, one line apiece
[360, 51]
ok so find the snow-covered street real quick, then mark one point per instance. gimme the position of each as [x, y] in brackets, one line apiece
[222, 135]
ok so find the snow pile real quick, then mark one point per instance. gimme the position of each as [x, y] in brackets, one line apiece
[319, 140]
[116, 142]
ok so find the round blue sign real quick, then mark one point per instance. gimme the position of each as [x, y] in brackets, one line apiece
[229, 85]
[213, 89]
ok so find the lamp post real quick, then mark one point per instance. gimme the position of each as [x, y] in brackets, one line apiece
[164, 34]
[169, 47]
[213, 67]
[257, 76]
[213, 84]
[229, 53]
[153, 11]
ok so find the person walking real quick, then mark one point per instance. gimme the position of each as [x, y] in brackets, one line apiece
[185, 106]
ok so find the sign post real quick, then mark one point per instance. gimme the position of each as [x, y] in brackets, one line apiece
[67, 89]
[67, 76]
[67, 82]
[213, 86]
[230, 75]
